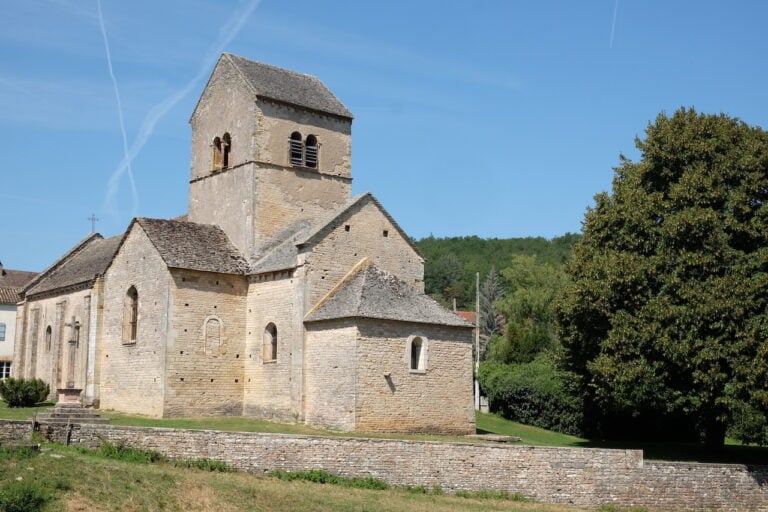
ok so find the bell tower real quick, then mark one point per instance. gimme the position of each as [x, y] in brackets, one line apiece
[270, 147]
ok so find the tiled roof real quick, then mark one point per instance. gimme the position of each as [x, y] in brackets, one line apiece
[15, 278]
[469, 316]
[369, 292]
[281, 252]
[12, 282]
[10, 295]
[288, 86]
[81, 265]
[193, 246]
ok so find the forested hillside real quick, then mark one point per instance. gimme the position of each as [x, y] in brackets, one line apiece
[452, 262]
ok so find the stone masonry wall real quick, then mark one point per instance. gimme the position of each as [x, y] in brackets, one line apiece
[330, 372]
[268, 383]
[205, 350]
[286, 195]
[341, 249]
[226, 105]
[390, 397]
[133, 374]
[49, 359]
[583, 477]
[226, 200]
[277, 122]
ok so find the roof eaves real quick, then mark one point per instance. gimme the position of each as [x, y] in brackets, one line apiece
[74, 250]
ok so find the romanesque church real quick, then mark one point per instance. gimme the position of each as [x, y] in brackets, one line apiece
[278, 295]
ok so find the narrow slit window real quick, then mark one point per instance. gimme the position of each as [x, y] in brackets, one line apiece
[218, 157]
[416, 354]
[48, 336]
[270, 343]
[226, 147]
[131, 315]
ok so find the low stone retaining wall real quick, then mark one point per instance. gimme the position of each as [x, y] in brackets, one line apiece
[585, 477]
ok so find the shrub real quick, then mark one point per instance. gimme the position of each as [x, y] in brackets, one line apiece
[321, 476]
[127, 454]
[204, 465]
[22, 392]
[492, 495]
[534, 393]
[22, 497]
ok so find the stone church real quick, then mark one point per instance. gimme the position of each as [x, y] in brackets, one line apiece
[278, 295]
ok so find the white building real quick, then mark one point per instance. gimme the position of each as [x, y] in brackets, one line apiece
[11, 283]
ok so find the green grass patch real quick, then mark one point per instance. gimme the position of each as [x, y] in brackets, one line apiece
[128, 454]
[23, 496]
[321, 476]
[204, 465]
[535, 436]
[493, 495]
[22, 413]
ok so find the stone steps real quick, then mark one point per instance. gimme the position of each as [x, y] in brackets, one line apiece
[70, 413]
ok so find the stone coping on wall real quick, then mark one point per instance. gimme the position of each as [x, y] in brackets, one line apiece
[580, 476]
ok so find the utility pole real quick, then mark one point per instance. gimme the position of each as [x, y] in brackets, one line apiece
[477, 339]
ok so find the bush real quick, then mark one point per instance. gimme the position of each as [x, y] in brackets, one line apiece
[23, 393]
[492, 495]
[534, 393]
[749, 426]
[127, 454]
[204, 465]
[321, 476]
[22, 497]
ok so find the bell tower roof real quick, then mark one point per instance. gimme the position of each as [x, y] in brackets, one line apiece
[286, 86]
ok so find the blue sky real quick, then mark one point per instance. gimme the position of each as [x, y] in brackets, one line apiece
[495, 118]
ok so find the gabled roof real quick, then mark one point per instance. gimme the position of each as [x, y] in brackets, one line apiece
[193, 246]
[286, 86]
[80, 266]
[12, 282]
[284, 253]
[369, 292]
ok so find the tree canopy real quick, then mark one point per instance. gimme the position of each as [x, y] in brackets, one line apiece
[665, 316]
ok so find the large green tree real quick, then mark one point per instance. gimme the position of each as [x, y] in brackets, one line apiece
[666, 312]
[528, 309]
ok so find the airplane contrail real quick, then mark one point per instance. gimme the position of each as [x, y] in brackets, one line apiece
[134, 193]
[613, 25]
[228, 31]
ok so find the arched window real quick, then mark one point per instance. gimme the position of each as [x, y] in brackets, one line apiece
[416, 354]
[270, 343]
[212, 335]
[226, 146]
[310, 152]
[131, 315]
[48, 336]
[218, 156]
[296, 149]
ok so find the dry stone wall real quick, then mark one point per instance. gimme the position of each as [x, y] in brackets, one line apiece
[583, 477]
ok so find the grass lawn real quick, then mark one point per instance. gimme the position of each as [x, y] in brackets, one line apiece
[733, 452]
[73, 480]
